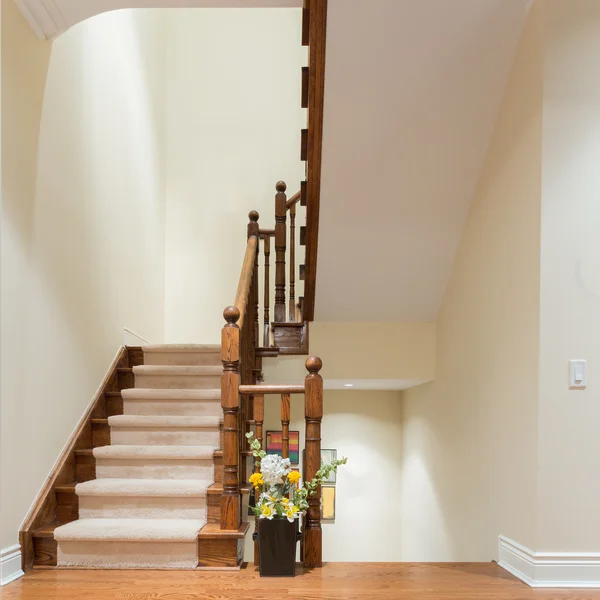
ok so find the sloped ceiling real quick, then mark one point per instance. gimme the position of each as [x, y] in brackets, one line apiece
[413, 88]
[412, 91]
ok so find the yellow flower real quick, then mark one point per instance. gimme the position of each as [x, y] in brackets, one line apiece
[295, 509]
[285, 501]
[293, 476]
[256, 479]
[267, 512]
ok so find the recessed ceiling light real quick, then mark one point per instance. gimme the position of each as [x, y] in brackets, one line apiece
[348, 385]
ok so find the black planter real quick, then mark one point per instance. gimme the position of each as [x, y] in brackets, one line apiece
[277, 547]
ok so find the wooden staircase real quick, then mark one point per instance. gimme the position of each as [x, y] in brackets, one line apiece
[245, 344]
[216, 548]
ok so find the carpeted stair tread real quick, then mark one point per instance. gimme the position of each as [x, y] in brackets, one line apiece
[129, 530]
[171, 394]
[173, 422]
[159, 488]
[196, 348]
[177, 370]
[154, 452]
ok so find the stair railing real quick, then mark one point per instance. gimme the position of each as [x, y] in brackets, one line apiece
[283, 206]
[242, 393]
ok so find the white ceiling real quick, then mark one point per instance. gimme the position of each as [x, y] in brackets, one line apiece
[50, 18]
[412, 91]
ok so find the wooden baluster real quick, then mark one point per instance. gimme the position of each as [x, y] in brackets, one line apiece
[280, 247]
[230, 381]
[253, 229]
[313, 413]
[259, 417]
[293, 263]
[285, 425]
[267, 326]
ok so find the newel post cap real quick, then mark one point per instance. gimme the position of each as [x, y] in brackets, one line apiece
[231, 314]
[314, 364]
[281, 186]
[253, 216]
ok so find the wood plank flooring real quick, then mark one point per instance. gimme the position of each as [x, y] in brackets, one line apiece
[336, 581]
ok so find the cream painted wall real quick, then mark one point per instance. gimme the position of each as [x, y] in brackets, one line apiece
[470, 437]
[366, 428]
[569, 445]
[82, 228]
[234, 121]
[403, 353]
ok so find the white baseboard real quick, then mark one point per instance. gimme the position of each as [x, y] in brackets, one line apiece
[131, 338]
[549, 569]
[10, 564]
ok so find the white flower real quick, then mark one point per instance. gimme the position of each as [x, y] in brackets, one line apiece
[274, 469]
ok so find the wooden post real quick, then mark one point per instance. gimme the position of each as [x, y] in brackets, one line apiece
[267, 322]
[280, 247]
[285, 425]
[230, 381]
[313, 414]
[292, 263]
[259, 417]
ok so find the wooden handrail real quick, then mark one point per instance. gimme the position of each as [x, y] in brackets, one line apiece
[242, 296]
[266, 232]
[294, 199]
[247, 390]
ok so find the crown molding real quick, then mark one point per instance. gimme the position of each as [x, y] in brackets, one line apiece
[44, 18]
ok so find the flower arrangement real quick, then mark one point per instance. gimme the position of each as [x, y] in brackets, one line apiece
[281, 496]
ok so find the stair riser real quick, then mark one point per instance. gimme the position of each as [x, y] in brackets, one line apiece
[128, 555]
[178, 382]
[119, 507]
[162, 408]
[155, 469]
[164, 437]
[197, 359]
[214, 508]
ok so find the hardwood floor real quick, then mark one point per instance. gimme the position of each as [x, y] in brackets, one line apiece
[335, 581]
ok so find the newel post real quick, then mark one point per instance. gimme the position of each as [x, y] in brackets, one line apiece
[230, 382]
[280, 247]
[313, 414]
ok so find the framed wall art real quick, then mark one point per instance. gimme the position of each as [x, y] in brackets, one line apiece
[274, 444]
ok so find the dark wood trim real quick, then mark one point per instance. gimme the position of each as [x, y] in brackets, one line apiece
[304, 98]
[305, 25]
[304, 144]
[316, 97]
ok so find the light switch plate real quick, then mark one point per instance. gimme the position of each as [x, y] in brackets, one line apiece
[577, 374]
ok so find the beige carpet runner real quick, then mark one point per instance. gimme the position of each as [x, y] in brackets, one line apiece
[148, 501]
